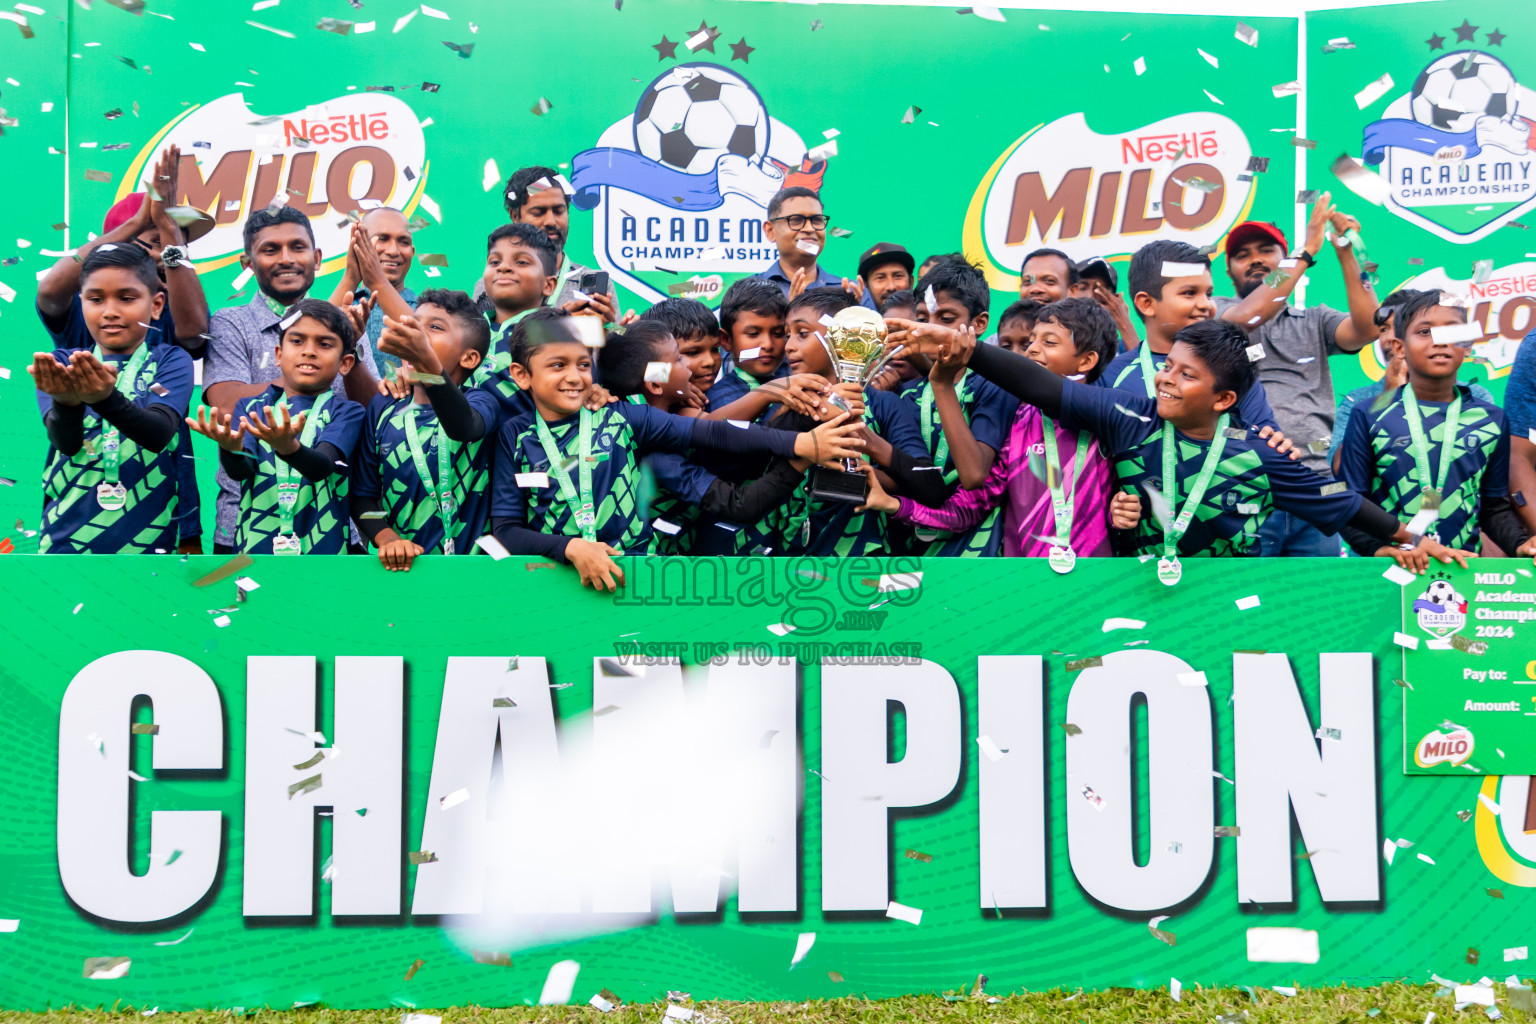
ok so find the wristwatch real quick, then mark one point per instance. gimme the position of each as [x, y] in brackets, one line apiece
[1302, 254]
[173, 256]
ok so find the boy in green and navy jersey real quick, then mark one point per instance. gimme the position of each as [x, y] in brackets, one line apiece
[752, 332]
[964, 418]
[290, 448]
[565, 481]
[520, 264]
[892, 441]
[1433, 451]
[421, 479]
[1210, 485]
[112, 412]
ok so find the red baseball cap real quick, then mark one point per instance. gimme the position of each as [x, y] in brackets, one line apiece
[1254, 231]
[126, 208]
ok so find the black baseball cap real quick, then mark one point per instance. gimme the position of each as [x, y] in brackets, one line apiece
[885, 252]
[1100, 268]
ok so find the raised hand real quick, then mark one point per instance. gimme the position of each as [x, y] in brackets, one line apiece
[406, 339]
[1322, 213]
[94, 380]
[52, 378]
[361, 251]
[216, 426]
[877, 500]
[837, 438]
[279, 429]
[162, 195]
[947, 368]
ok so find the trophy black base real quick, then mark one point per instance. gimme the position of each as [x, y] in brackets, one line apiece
[836, 485]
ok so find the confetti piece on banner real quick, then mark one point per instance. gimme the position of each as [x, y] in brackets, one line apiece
[1140, 66]
[1477, 995]
[1216, 100]
[1366, 184]
[405, 19]
[1192, 679]
[9, 924]
[902, 912]
[924, 858]
[145, 729]
[422, 857]
[603, 1005]
[1093, 798]
[1373, 92]
[339, 26]
[308, 785]
[1073, 730]
[989, 748]
[492, 176]
[1117, 623]
[106, 968]
[542, 107]
[493, 547]
[1247, 34]
[892, 582]
[1175, 990]
[1404, 640]
[1388, 850]
[1282, 946]
[803, 946]
[453, 799]
[269, 28]
[177, 941]
[1245, 603]
[781, 628]
[559, 982]
[1228, 831]
[226, 570]
[433, 12]
[1212, 61]
[493, 958]
[991, 14]
[1514, 953]
[1427, 859]
[1094, 661]
[1158, 933]
[102, 176]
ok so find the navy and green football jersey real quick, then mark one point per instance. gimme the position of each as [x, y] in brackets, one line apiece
[735, 383]
[73, 520]
[682, 482]
[494, 374]
[1251, 480]
[1376, 460]
[321, 518]
[989, 411]
[1124, 374]
[807, 526]
[622, 433]
[385, 469]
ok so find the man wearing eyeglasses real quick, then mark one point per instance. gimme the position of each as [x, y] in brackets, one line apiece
[798, 226]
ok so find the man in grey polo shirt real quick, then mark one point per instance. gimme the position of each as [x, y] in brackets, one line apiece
[241, 358]
[1297, 344]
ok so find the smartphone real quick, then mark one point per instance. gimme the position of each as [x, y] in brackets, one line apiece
[594, 282]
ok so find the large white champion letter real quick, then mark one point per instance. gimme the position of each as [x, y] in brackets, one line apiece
[360, 778]
[1280, 770]
[489, 702]
[732, 763]
[1179, 782]
[94, 721]
[1010, 713]
[859, 785]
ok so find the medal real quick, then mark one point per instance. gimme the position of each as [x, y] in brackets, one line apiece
[1169, 571]
[1431, 496]
[1062, 559]
[440, 493]
[286, 541]
[111, 497]
[583, 510]
[286, 544]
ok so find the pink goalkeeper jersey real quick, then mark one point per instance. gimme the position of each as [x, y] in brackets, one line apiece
[1029, 527]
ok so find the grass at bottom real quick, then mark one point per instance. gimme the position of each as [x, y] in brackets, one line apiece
[1394, 1002]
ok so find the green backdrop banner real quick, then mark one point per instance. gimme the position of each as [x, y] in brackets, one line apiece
[1014, 775]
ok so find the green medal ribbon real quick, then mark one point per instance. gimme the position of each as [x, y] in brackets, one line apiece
[289, 479]
[1421, 445]
[442, 492]
[278, 309]
[1147, 372]
[1173, 532]
[927, 422]
[127, 376]
[584, 512]
[1061, 499]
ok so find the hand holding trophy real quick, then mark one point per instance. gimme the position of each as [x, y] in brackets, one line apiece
[855, 341]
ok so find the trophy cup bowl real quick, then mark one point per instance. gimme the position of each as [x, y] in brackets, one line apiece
[855, 342]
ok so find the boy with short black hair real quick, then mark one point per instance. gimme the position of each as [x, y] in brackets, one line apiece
[1015, 325]
[1218, 483]
[422, 472]
[752, 332]
[289, 450]
[519, 277]
[898, 373]
[1074, 338]
[565, 482]
[964, 418]
[112, 412]
[697, 331]
[1433, 452]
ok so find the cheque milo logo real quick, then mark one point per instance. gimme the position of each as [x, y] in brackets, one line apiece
[1066, 186]
[1454, 151]
[1440, 610]
[351, 153]
[1450, 744]
[681, 185]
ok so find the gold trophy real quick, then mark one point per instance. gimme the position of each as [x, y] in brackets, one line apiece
[855, 341]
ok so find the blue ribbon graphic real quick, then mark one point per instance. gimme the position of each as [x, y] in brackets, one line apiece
[629, 170]
[1421, 138]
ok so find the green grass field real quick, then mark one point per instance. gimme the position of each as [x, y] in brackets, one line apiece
[1391, 1002]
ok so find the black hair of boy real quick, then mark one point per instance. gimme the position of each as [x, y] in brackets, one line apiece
[517, 342]
[1411, 307]
[334, 320]
[901, 298]
[271, 217]
[1146, 272]
[828, 301]
[1027, 310]
[961, 281]
[126, 256]
[1072, 274]
[1091, 326]
[1391, 303]
[750, 295]
[1223, 347]
[465, 312]
[784, 195]
[685, 318]
[621, 362]
[515, 195]
[532, 237]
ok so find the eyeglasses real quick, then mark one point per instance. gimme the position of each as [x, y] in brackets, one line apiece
[796, 221]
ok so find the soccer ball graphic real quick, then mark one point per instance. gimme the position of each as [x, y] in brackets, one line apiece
[1443, 594]
[696, 113]
[1456, 90]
